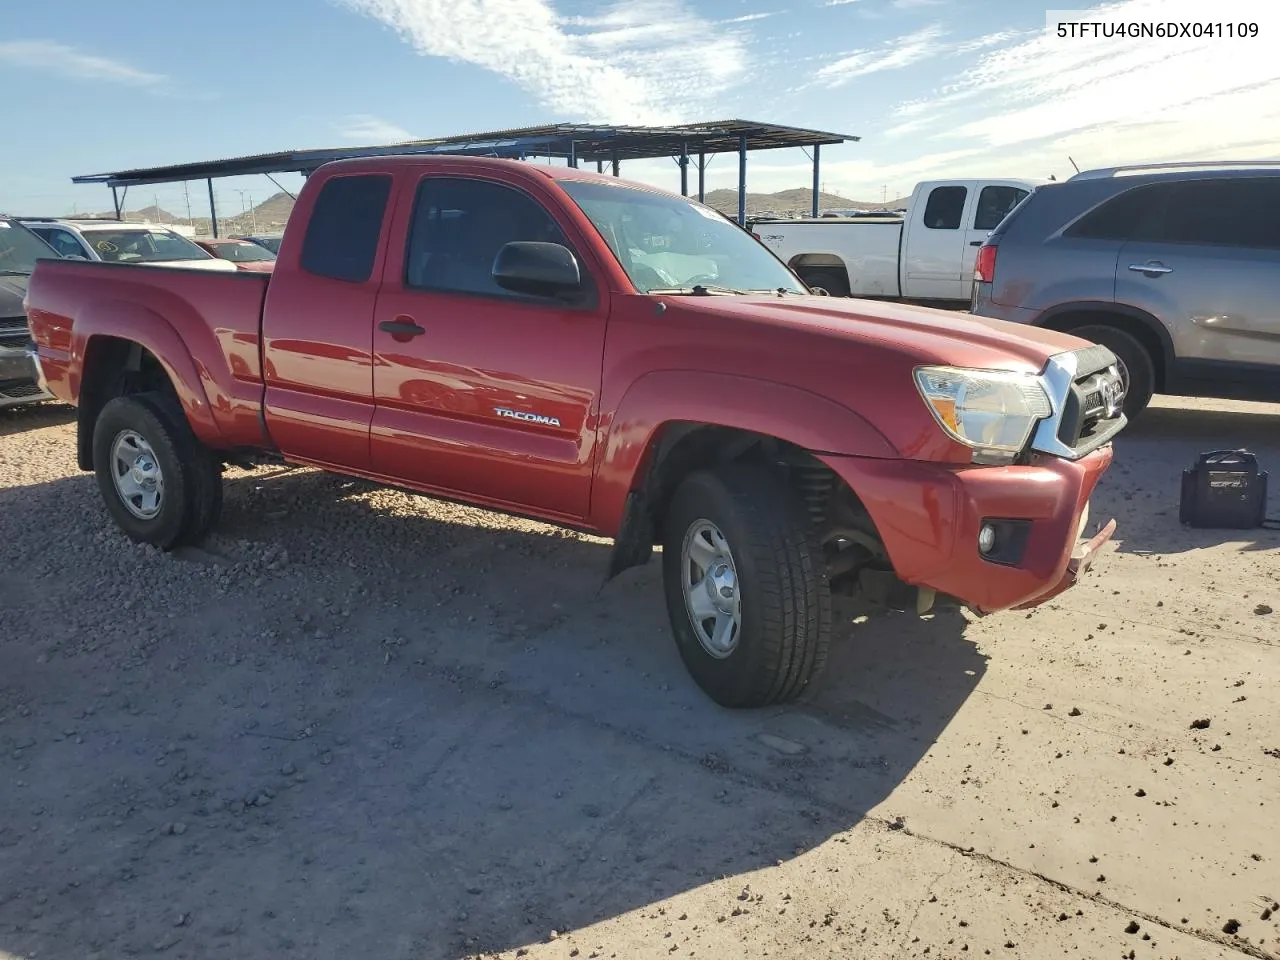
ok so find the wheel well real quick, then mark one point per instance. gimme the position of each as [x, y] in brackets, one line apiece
[113, 367]
[1136, 328]
[682, 448]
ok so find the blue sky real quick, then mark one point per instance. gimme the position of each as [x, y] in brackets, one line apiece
[934, 87]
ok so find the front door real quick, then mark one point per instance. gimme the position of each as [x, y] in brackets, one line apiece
[995, 200]
[479, 390]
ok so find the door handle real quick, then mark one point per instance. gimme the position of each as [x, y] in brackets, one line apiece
[1153, 267]
[401, 327]
[976, 243]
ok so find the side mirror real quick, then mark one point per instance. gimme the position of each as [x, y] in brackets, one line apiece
[820, 291]
[538, 269]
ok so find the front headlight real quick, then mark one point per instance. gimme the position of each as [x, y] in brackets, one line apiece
[992, 411]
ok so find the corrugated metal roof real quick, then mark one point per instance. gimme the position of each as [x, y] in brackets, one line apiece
[586, 142]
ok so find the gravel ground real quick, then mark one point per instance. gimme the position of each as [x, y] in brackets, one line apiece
[364, 723]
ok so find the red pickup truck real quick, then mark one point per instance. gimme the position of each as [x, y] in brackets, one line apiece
[612, 358]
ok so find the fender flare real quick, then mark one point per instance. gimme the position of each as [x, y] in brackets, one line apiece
[1147, 321]
[122, 320]
[793, 414]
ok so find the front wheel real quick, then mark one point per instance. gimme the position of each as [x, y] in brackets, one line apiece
[746, 586]
[160, 485]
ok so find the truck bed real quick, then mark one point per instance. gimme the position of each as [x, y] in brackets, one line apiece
[173, 312]
[867, 247]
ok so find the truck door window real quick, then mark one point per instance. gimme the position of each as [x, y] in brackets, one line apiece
[994, 204]
[459, 226]
[345, 226]
[1232, 212]
[945, 208]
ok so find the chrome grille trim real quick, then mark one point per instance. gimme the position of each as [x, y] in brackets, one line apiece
[1087, 368]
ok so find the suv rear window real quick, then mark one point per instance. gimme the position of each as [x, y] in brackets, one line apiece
[345, 226]
[1125, 216]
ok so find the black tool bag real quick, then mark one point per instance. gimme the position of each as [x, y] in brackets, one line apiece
[1225, 490]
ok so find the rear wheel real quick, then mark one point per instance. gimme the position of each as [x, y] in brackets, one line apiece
[746, 586]
[160, 485]
[1137, 367]
[832, 281]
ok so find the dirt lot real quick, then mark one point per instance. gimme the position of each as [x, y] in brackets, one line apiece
[367, 724]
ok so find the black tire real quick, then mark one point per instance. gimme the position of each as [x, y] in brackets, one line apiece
[781, 586]
[191, 497]
[1138, 366]
[832, 281]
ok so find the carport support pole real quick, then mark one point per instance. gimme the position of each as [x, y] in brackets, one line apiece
[742, 181]
[684, 170]
[573, 154]
[816, 181]
[616, 165]
[213, 210]
[599, 166]
[702, 178]
[115, 201]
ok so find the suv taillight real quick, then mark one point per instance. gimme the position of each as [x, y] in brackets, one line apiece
[984, 268]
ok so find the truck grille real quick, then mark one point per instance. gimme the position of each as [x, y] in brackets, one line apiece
[1092, 410]
[14, 332]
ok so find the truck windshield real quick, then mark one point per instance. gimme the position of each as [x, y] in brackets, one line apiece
[145, 245]
[665, 242]
[20, 249]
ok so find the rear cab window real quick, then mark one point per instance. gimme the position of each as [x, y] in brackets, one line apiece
[944, 209]
[345, 227]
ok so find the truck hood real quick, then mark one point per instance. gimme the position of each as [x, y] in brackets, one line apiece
[12, 291]
[924, 334]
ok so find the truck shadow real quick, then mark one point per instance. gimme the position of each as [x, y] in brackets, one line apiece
[385, 732]
[33, 416]
[1143, 488]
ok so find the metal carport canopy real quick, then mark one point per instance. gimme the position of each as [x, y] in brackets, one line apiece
[570, 141]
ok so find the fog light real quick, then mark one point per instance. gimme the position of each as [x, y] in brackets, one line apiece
[986, 538]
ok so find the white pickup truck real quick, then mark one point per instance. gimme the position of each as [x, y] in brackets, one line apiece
[926, 255]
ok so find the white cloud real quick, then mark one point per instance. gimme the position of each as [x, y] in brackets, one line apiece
[1019, 102]
[914, 4]
[365, 128]
[636, 61]
[58, 58]
[751, 17]
[891, 55]
[839, 3]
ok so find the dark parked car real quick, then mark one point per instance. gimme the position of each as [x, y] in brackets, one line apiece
[19, 251]
[268, 241]
[1174, 268]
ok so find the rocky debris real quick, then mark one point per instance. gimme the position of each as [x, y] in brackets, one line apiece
[1262, 609]
[1200, 724]
[1231, 927]
[1132, 927]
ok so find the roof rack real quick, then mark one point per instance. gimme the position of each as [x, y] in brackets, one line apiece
[1135, 168]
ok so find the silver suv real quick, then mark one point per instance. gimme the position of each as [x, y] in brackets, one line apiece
[1175, 268]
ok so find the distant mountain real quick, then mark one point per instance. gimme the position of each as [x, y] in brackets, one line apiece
[270, 216]
[798, 200]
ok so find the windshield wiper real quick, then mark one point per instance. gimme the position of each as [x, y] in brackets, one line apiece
[15, 273]
[698, 290]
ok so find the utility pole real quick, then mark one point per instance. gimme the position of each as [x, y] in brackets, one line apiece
[186, 195]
